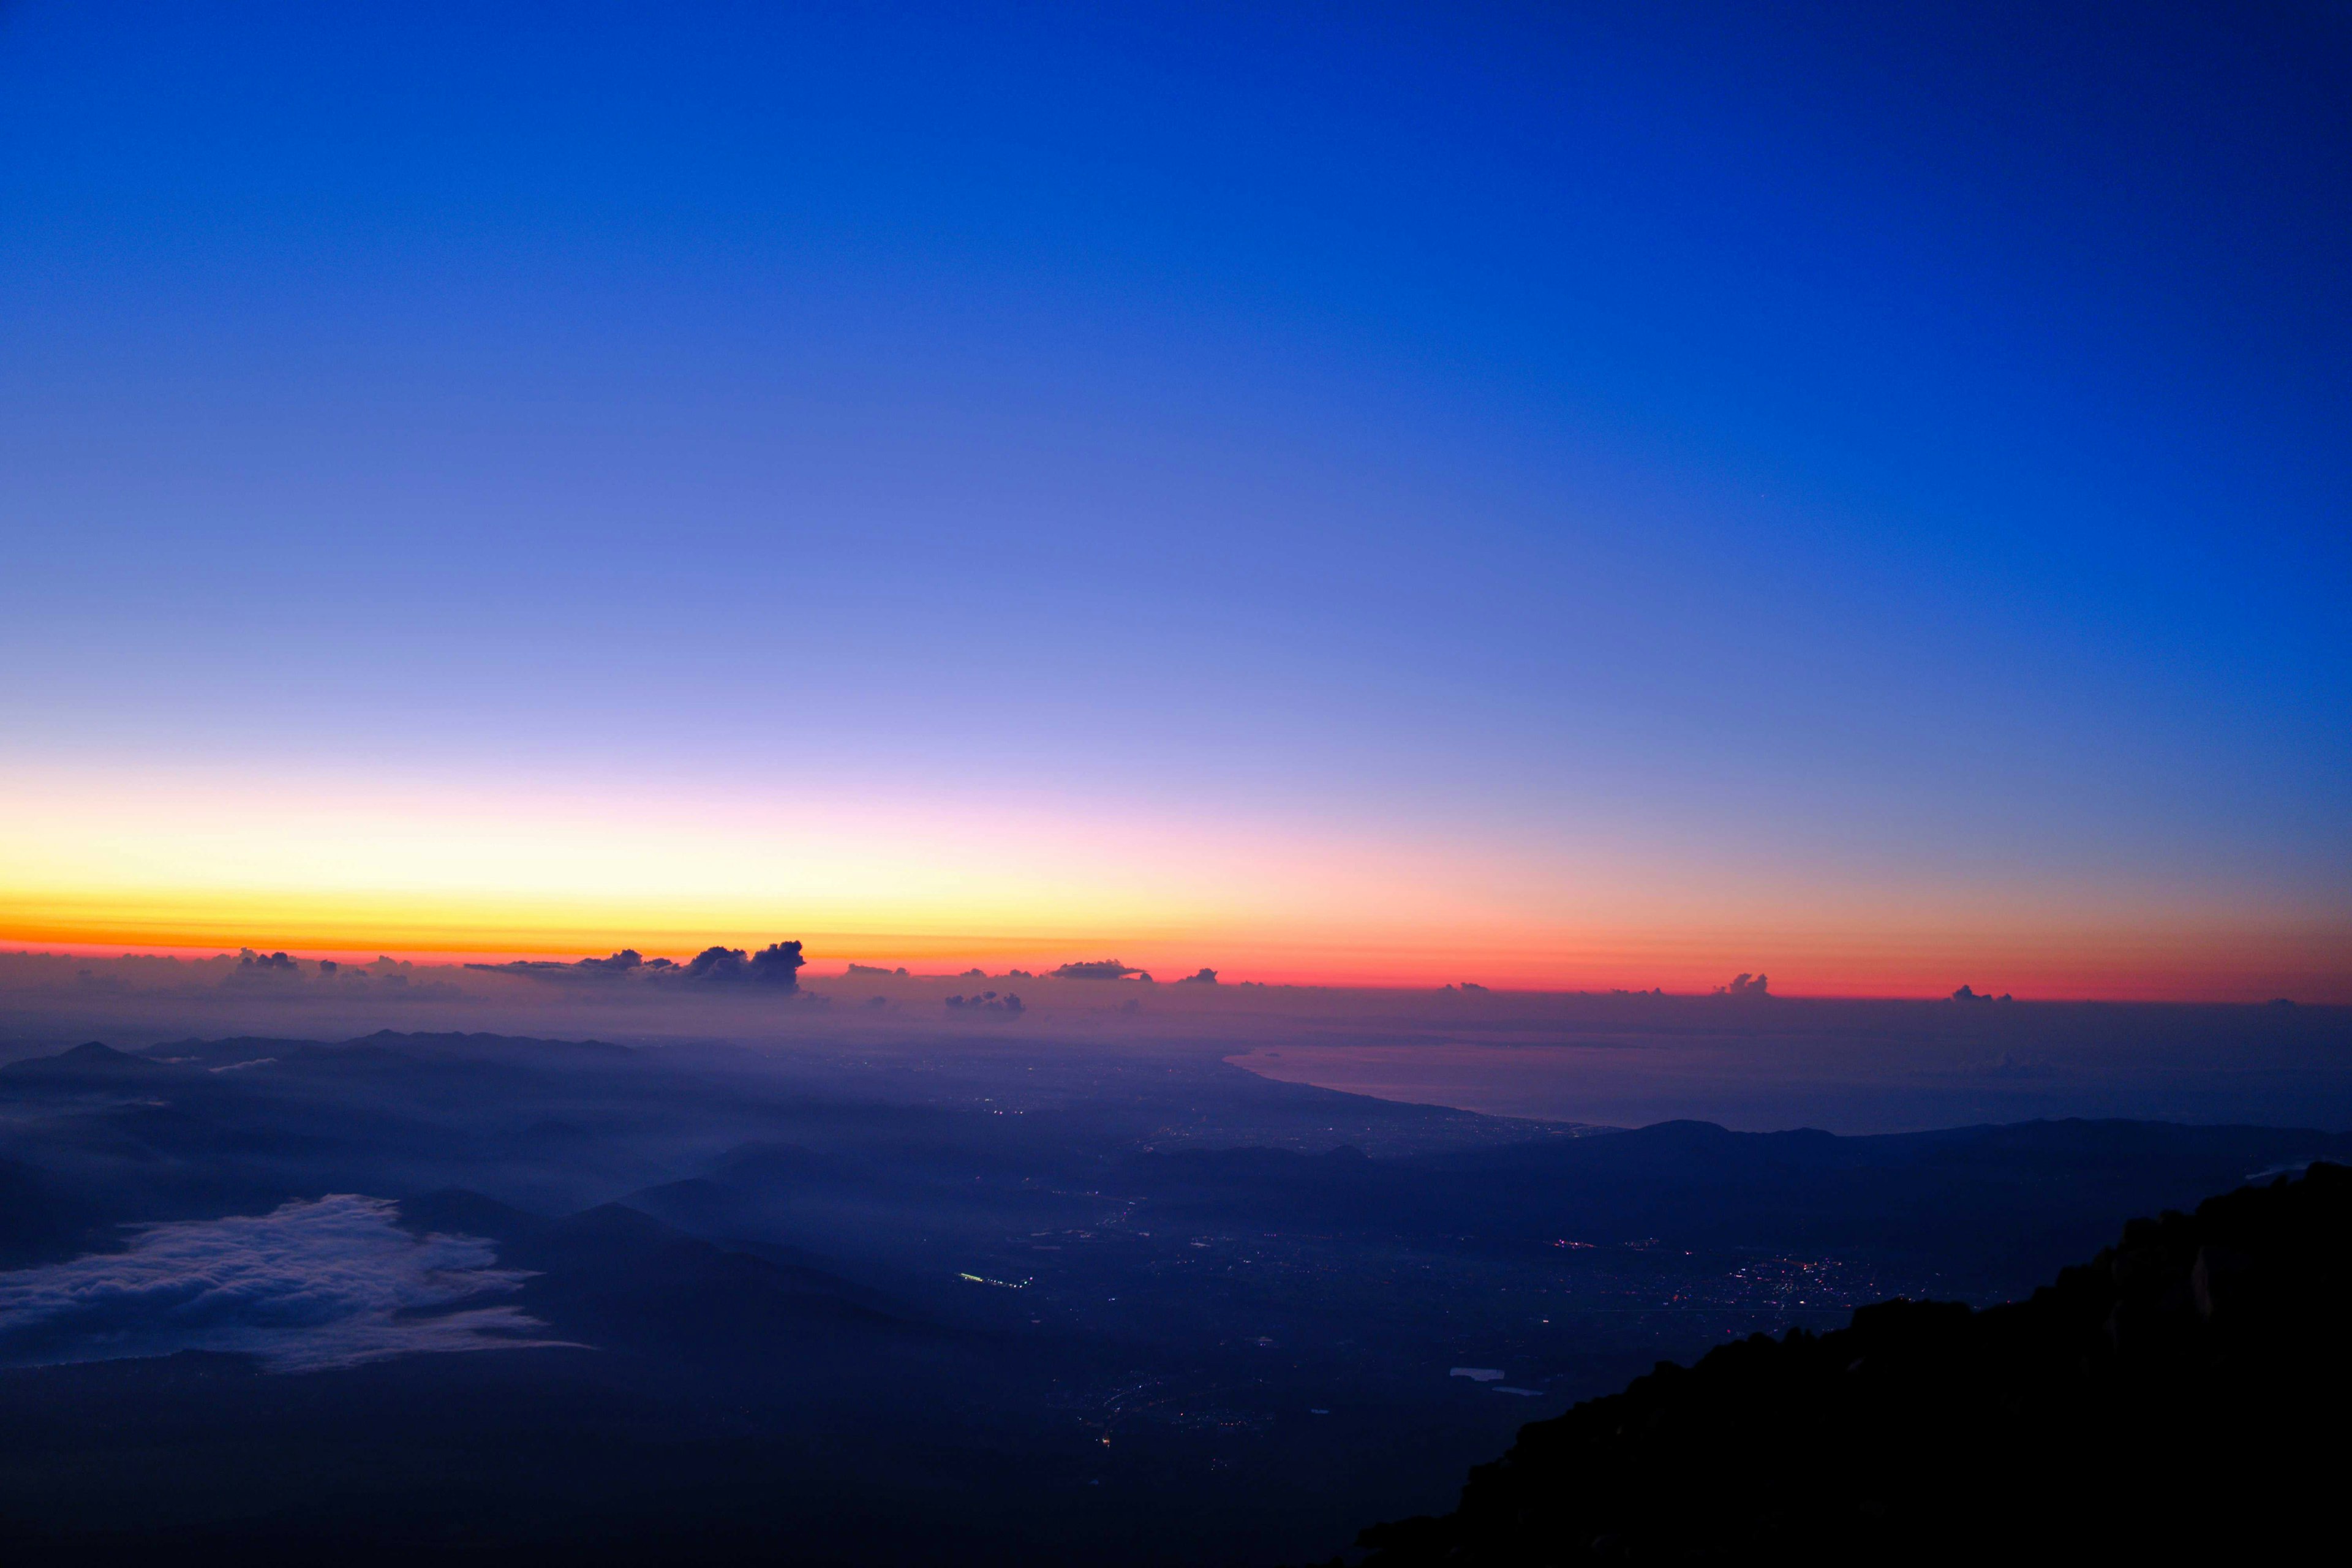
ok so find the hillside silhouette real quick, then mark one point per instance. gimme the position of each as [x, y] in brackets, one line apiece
[2179, 1396]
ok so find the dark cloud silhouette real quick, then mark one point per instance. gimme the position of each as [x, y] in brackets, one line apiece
[262, 969]
[898, 973]
[776, 965]
[1746, 987]
[621, 962]
[1965, 994]
[1099, 969]
[1205, 977]
[307, 1286]
[717, 963]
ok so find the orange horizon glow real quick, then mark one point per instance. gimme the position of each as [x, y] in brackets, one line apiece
[1361, 966]
[99, 863]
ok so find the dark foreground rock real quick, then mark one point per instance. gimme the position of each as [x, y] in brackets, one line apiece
[2181, 1397]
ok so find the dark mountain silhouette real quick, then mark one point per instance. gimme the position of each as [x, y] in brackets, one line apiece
[2178, 1398]
[90, 1066]
[385, 1046]
[614, 1276]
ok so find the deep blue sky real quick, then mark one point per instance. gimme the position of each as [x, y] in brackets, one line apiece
[1832, 444]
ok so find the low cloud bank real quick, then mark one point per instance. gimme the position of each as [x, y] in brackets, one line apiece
[775, 966]
[309, 1286]
[621, 962]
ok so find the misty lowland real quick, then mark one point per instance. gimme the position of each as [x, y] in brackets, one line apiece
[736, 1266]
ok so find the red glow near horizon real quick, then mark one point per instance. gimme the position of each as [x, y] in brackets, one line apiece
[939, 963]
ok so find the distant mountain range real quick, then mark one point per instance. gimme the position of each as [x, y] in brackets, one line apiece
[1133, 1308]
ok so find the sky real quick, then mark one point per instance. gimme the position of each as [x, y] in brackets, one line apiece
[1563, 496]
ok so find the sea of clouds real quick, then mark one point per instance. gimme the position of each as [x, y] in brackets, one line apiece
[312, 1284]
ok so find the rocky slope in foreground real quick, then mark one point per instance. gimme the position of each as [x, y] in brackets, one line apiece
[2182, 1396]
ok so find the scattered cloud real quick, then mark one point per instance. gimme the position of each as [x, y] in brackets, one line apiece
[1099, 969]
[310, 1285]
[262, 968]
[776, 965]
[1748, 987]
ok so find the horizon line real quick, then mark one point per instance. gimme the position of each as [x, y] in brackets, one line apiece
[492, 959]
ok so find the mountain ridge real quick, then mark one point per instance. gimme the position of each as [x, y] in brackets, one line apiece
[2155, 1400]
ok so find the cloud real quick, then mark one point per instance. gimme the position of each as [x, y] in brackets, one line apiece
[1205, 977]
[262, 968]
[310, 1285]
[1751, 987]
[1099, 969]
[717, 963]
[776, 964]
[621, 962]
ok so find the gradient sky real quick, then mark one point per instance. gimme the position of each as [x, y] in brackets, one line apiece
[1562, 495]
